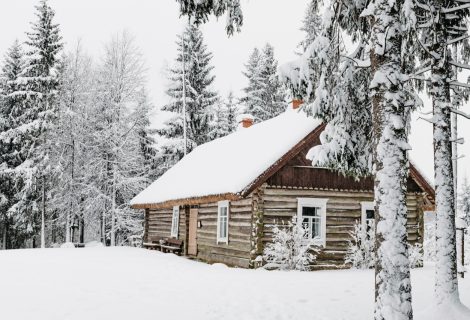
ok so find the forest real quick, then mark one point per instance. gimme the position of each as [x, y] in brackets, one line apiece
[77, 142]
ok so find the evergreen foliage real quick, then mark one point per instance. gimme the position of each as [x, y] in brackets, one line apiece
[195, 59]
[264, 95]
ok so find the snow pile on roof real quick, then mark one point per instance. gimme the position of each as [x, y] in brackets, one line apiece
[231, 163]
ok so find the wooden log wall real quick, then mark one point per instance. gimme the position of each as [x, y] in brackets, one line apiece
[158, 224]
[343, 210]
[237, 251]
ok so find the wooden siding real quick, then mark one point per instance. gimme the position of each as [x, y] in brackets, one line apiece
[158, 224]
[299, 173]
[343, 210]
[237, 251]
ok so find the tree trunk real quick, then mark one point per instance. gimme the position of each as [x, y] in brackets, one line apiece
[446, 286]
[390, 125]
[82, 230]
[113, 209]
[4, 234]
[43, 214]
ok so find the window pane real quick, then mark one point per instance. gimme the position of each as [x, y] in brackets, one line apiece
[316, 228]
[223, 211]
[309, 211]
[370, 214]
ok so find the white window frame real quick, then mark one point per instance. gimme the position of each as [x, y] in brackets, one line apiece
[220, 205]
[321, 205]
[175, 221]
[366, 205]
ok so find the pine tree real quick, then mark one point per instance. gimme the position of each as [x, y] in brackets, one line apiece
[10, 104]
[367, 114]
[447, 25]
[252, 75]
[264, 95]
[194, 60]
[382, 24]
[39, 88]
[311, 25]
[224, 118]
[231, 107]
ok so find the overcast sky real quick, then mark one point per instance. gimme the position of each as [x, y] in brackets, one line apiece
[155, 23]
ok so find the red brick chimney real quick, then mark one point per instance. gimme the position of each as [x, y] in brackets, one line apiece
[296, 103]
[247, 122]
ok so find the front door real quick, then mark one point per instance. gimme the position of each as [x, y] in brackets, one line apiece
[192, 245]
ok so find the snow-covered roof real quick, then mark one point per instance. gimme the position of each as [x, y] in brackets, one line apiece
[230, 164]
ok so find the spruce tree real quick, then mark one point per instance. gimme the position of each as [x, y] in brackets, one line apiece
[39, 88]
[252, 74]
[231, 107]
[264, 95]
[224, 117]
[444, 33]
[10, 104]
[311, 25]
[194, 60]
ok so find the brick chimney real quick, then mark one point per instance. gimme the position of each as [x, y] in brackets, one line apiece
[247, 122]
[296, 103]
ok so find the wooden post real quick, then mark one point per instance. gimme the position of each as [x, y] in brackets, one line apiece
[257, 227]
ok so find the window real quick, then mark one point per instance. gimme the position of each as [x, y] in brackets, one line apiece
[175, 220]
[311, 212]
[368, 218]
[222, 222]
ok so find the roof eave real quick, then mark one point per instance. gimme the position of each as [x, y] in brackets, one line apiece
[192, 201]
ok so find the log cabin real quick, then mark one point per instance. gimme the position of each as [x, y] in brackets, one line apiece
[224, 198]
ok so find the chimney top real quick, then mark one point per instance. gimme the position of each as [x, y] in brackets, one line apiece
[246, 120]
[296, 103]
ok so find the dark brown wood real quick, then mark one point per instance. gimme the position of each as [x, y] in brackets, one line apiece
[172, 245]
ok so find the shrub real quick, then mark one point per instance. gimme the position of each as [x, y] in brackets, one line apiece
[290, 250]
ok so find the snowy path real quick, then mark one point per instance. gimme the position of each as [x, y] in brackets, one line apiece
[128, 283]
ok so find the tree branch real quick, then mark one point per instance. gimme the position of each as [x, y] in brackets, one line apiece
[457, 39]
[427, 120]
[459, 84]
[459, 65]
[460, 113]
[453, 9]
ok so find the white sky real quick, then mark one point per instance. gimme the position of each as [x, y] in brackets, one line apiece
[155, 23]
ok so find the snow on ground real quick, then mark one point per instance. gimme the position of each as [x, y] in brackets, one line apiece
[129, 283]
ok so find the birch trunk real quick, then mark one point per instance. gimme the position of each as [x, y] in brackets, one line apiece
[390, 134]
[113, 209]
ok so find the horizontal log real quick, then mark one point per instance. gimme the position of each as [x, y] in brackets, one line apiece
[228, 260]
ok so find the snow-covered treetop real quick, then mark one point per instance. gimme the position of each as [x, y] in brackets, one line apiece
[229, 164]
[200, 10]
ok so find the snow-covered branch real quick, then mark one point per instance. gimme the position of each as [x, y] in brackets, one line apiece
[454, 9]
[460, 113]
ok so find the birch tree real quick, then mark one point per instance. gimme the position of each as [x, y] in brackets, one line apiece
[118, 169]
